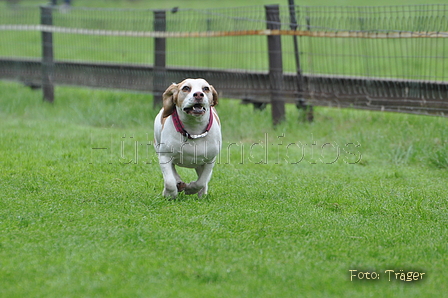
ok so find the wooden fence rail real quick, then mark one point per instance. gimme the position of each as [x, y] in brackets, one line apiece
[336, 91]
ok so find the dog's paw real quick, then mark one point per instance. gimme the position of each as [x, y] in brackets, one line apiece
[170, 194]
[202, 192]
[192, 188]
[181, 186]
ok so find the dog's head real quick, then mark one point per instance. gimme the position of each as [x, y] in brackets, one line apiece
[193, 96]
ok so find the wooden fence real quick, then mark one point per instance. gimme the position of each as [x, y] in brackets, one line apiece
[274, 86]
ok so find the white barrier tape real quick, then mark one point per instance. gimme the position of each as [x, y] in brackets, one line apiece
[164, 34]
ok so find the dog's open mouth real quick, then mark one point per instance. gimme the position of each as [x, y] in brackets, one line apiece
[197, 109]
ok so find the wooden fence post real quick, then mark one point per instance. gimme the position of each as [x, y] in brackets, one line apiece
[159, 58]
[46, 18]
[275, 64]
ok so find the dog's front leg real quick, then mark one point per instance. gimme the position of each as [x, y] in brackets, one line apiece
[200, 186]
[169, 177]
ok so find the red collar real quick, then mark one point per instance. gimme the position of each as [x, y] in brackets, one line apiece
[181, 129]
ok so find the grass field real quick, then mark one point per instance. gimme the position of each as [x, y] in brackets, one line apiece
[290, 211]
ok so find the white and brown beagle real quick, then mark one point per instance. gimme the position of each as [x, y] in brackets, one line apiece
[187, 133]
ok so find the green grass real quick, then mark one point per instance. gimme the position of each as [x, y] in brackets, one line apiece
[83, 222]
[291, 210]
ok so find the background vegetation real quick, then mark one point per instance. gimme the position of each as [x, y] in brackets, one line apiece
[406, 58]
[155, 4]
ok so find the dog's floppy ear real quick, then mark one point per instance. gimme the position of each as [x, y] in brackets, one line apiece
[215, 96]
[169, 100]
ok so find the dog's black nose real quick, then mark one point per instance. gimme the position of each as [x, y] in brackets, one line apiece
[198, 95]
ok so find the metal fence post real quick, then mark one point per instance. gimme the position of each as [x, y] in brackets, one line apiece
[275, 64]
[159, 58]
[46, 18]
[293, 25]
[301, 103]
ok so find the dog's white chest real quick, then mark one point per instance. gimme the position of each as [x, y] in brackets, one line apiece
[193, 153]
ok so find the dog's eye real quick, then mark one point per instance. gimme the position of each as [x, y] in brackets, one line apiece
[186, 88]
[205, 89]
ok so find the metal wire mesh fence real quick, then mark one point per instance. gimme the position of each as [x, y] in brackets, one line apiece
[389, 51]
[388, 58]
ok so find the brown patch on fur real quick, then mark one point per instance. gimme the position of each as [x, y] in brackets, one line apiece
[181, 186]
[215, 96]
[170, 100]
